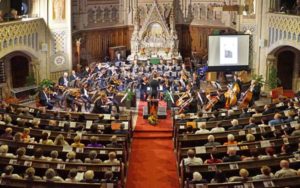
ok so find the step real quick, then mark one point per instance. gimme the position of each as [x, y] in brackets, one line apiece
[154, 130]
[153, 135]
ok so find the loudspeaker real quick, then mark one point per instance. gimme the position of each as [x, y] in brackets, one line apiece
[145, 112]
[162, 112]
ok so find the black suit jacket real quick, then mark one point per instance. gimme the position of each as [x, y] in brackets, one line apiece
[43, 98]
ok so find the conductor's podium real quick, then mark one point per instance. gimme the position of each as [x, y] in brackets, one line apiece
[154, 108]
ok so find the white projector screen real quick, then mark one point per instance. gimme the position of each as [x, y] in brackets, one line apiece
[228, 52]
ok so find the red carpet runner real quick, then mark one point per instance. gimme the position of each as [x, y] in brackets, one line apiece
[152, 161]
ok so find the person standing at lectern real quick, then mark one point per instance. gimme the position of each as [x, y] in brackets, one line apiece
[154, 84]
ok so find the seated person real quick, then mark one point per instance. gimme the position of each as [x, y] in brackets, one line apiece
[285, 170]
[218, 128]
[38, 154]
[25, 135]
[112, 158]
[251, 124]
[4, 152]
[77, 143]
[296, 132]
[266, 174]
[72, 176]
[232, 156]
[8, 173]
[71, 157]
[108, 177]
[211, 141]
[202, 129]
[235, 125]
[21, 153]
[257, 113]
[94, 143]
[53, 126]
[253, 155]
[270, 153]
[45, 139]
[44, 100]
[290, 116]
[51, 175]
[89, 177]
[219, 177]
[7, 135]
[189, 130]
[199, 117]
[60, 141]
[268, 109]
[245, 113]
[264, 122]
[30, 174]
[213, 159]
[92, 157]
[114, 143]
[249, 138]
[94, 129]
[277, 120]
[18, 137]
[54, 156]
[230, 140]
[197, 178]
[244, 176]
[191, 159]
[121, 130]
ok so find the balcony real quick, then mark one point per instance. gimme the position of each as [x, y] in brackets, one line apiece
[284, 27]
[21, 33]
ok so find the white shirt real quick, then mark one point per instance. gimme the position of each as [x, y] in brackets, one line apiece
[217, 129]
[202, 131]
[192, 161]
[66, 82]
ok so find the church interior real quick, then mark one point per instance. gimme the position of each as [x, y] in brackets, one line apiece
[150, 93]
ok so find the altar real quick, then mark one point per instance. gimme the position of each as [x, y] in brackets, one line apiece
[156, 39]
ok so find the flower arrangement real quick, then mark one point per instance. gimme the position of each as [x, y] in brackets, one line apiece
[152, 119]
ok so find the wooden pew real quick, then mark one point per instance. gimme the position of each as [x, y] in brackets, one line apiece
[17, 183]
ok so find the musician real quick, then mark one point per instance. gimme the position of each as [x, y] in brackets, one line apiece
[85, 97]
[85, 72]
[64, 80]
[102, 105]
[73, 100]
[196, 81]
[154, 84]
[144, 83]
[192, 107]
[73, 76]
[44, 99]
[221, 100]
[97, 68]
[237, 81]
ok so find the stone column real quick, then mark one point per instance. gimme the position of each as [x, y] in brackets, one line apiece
[271, 62]
[36, 69]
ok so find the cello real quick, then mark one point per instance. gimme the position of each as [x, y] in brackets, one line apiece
[247, 97]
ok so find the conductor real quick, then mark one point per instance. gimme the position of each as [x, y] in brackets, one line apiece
[154, 84]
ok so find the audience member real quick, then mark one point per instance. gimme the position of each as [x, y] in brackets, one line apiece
[192, 159]
[285, 170]
[94, 143]
[219, 177]
[244, 176]
[218, 128]
[197, 178]
[77, 142]
[277, 120]
[54, 156]
[266, 174]
[30, 174]
[8, 173]
[89, 177]
[7, 135]
[50, 175]
[45, 139]
[71, 157]
[202, 128]
[4, 152]
[60, 141]
[211, 141]
[114, 143]
[230, 140]
[112, 158]
[21, 153]
[108, 177]
[92, 157]
[251, 124]
[232, 156]
[72, 176]
[235, 125]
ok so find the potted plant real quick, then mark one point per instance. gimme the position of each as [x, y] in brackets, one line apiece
[30, 80]
[273, 79]
[46, 83]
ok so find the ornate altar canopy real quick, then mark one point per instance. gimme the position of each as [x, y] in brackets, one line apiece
[156, 38]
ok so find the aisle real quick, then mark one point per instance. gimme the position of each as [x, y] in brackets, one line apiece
[152, 162]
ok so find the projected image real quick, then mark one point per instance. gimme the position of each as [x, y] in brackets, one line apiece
[228, 50]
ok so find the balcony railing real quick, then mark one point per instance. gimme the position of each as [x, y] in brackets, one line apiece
[284, 27]
[24, 32]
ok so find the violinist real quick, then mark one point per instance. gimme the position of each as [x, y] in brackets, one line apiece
[64, 80]
[86, 72]
[73, 100]
[44, 100]
[195, 81]
[102, 105]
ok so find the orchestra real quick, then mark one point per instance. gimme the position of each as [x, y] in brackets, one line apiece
[95, 88]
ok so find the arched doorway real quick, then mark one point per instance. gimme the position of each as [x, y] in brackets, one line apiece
[288, 67]
[19, 66]
[285, 66]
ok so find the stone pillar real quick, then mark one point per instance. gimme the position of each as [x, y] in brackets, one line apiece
[36, 69]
